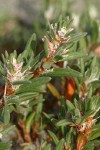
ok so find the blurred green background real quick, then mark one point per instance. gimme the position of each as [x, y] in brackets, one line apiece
[20, 18]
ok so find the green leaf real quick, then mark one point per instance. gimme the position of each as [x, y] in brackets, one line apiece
[91, 145]
[2, 71]
[66, 46]
[75, 55]
[95, 133]
[35, 102]
[21, 82]
[34, 86]
[38, 58]
[70, 106]
[77, 36]
[30, 46]
[63, 122]
[86, 115]
[77, 113]
[51, 119]
[95, 85]
[48, 116]
[60, 144]
[95, 103]
[6, 114]
[3, 58]
[82, 66]
[59, 22]
[18, 98]
[5, 145]
[8, 129]
[88, 105]
[29, 63]
[96, 127]
[39, 106]
[54, 137]
[47, 147]
[65, 72]
[83, 43]
[95, 31]
[69, 137]
[89, 95]
[71, 56]
[7, 55]
[29, 122]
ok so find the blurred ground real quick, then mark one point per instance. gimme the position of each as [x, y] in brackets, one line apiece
[27, 10]
[20, 18]
[24, 10]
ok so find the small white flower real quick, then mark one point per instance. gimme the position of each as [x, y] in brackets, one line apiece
[65, 51]
[62, 32]
[53, 26]
[83, 127]
[16, 74]
[51, 45]
[17, 67]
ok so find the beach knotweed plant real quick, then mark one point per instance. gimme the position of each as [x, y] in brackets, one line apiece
[24, 79]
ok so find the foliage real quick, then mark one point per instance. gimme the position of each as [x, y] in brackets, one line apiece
[24, 79]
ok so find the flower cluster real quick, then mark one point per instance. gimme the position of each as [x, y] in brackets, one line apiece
[85, 128]
[55, 41]
[16, 73]
[59, 39]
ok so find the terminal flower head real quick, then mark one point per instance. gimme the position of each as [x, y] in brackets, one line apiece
[16, 73]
